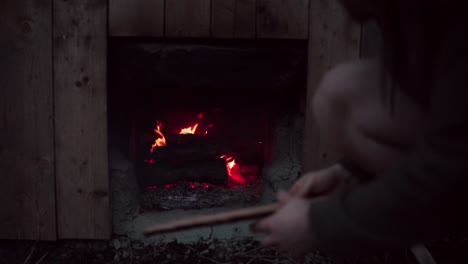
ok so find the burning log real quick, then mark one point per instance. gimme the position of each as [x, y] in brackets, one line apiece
[187, 148]
[209, 170]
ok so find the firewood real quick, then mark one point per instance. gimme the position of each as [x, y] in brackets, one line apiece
[204, 220]
[209, 170]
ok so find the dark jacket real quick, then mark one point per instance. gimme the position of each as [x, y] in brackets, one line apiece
[425, 196]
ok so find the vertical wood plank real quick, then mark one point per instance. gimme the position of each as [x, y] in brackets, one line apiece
[245, 19]
[27, 191]
[223, 18]
[80, 33]
[283, 19]
[233, 18]
[188, 18]
[333, 39]
[136, 18]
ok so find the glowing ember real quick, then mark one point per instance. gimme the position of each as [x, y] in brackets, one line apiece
[167, 186]
[161, 141]
[189, 130]
[150, 161]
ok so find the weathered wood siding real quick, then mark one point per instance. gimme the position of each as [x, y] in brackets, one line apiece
[27, 189]
[283, 19]
[136, 18]
[233, 18]
[333, 39]
[80, 63]
[188, 18]
[280, 19]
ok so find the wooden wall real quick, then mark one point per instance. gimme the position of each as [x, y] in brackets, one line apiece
[80, 73]
[53, 120]
[53, 113]
[233, 18]
[334, 38]
[210, 18]
[27, 189]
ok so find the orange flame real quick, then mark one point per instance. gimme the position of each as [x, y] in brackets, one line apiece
[189, 130]
[161, 141]
[233, 169]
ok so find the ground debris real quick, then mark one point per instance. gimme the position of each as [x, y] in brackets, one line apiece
[205, 251]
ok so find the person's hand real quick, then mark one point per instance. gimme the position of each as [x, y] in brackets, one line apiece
[288, 228]
[319, 183]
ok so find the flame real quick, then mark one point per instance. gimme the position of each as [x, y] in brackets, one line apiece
[161, 141]
[233, 169]
[189, 130]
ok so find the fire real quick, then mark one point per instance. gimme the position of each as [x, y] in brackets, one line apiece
[189, 130]
[231, 163]
[161, 141]
[233, 169]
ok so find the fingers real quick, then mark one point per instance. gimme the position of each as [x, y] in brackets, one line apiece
[268, 241]
[296, 188]
[283, 197]
[264, 226]
[261, 226]
[305, 186]
[319, 183]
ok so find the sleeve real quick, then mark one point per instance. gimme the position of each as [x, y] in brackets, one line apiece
[421, 199]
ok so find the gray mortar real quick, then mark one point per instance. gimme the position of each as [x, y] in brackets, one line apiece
[280, 174]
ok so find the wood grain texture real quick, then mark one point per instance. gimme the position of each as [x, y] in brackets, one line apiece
[283, 19]
[188, 18]
[333, 39]
[245, 19]
[27, 189]
[80, 63]
[233, 18]
[136, 18]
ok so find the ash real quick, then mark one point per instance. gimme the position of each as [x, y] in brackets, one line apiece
[184, 196]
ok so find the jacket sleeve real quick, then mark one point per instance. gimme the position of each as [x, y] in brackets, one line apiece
[422, 198]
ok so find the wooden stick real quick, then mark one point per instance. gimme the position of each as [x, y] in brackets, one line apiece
[421, 252]
[203, 220]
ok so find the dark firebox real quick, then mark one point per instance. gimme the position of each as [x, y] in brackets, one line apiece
[199, 115]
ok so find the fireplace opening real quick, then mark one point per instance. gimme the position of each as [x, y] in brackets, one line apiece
[197, 119]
